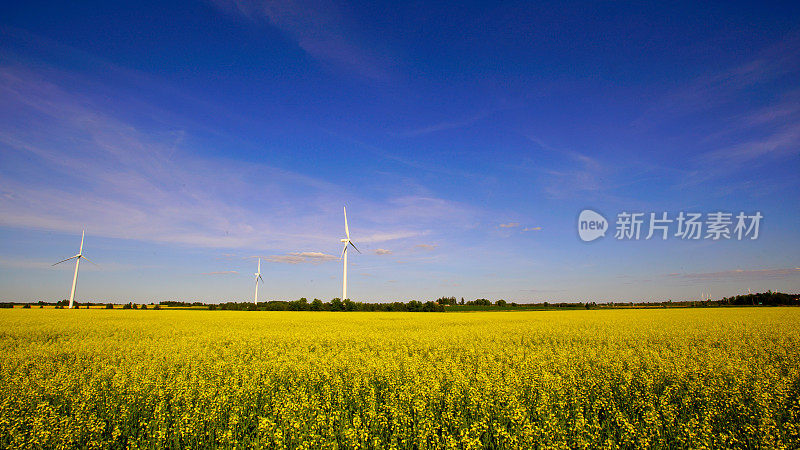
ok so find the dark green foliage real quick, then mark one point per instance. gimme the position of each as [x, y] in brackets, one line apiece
[443, 303]
[446, 300]
[432, 307]
[480, 302]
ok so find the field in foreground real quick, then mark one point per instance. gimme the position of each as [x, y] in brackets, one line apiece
[190, 379]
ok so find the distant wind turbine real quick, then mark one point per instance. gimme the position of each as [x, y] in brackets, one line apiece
[77, 259]
[346, 242]
[258, 277]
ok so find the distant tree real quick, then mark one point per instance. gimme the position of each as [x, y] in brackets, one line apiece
[433, 307]
[348, 305]
[144, 306]
[336, 304]
[26, 306]
[414, 306]
[157, 306]
[446, 300]
[212, 307]
[462, 300]
[482, 302]
[501, 303]
[299, 305]
[316, 305]
[396, 306]
[109, 306]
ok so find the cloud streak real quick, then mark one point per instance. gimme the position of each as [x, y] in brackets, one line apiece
[301, 258]
[94, 171]
[429, 247]
[320, 28]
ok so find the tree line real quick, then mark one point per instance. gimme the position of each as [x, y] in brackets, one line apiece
[768, 298]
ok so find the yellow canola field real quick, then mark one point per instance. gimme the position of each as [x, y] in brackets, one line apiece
[668, 378]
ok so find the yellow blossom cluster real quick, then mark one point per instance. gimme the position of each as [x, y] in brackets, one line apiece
[668, 378]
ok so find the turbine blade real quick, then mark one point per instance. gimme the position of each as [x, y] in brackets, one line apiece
[65, 260]
[259, 277]
[89, 260]
[343, 250]
[346, 229]
[354, 246]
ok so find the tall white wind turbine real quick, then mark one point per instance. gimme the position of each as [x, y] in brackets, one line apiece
[347, 242]
[77, 259]
[258, 277]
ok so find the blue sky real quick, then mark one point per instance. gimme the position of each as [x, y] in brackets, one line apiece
[188, 138]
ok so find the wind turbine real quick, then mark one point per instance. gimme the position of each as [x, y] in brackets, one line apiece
[77, 259]
[346, 242]
[258, 277]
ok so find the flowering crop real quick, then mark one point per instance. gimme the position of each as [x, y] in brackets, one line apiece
[677, 378]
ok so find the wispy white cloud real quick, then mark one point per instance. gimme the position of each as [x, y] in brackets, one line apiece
[384, 237]
[749, 129]
[382, 251]
[447, 125]
[720, 88]
[302, 257]
[92, 170]
[109, 175]
[321, 28]
[581, 175]
[532, 229]
[509, 225]
[426, 246]
[768, 147]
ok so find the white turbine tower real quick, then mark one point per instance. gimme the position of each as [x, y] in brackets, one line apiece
[258, 277]
[346, 242]
[77, 259]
